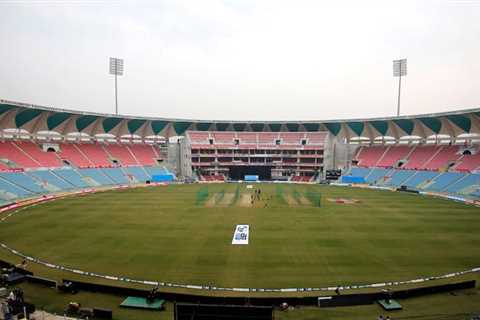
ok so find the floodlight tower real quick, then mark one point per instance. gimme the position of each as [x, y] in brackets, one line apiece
[399, 70]
[116, 68]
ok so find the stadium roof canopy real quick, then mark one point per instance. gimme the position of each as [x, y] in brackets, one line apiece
[34, 119]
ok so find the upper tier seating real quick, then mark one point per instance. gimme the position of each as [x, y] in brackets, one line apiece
[70, 152]
[442, 158]
[247, 137]
[368, 157]
[145, 154]
[469, 162]
[223, 137]
[44, 159]
[121, 153]
[199, 137]
[291, 137]
[9, 150]
[393, 155]
[316, 137]
[420, 155]
[267, 138]
[95, 153]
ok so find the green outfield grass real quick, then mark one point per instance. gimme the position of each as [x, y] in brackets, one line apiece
[182, 234]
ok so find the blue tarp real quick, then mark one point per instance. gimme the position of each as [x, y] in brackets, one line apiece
[162, 177]
[352, 179]
[251, 178]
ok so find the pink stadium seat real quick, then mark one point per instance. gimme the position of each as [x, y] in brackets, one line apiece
[224, 137]
[70, 152]
[45, 159]
[247, 137]
[145, 154]
[122, 153]
[95, 153]
[291, 137]
[199, 137]
[317, 138]
[469, 163]
[369, 156]
[441, 159]
[420, 155]
[3, 166]
[267, 138]
[9, 150]
[393, 155]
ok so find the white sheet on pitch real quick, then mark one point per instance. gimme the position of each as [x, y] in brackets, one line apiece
[241, 233]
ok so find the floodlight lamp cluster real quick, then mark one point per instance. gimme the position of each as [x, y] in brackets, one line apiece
[400, 68]
[116, 66]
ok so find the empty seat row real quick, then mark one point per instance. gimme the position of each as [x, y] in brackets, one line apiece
[444, 182]
[26, 154]
[32, 183]
[433, 157]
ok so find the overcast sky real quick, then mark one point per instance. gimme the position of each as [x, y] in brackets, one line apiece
[242, 59]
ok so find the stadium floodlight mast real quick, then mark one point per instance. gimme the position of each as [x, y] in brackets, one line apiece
[116, 68]
[399, 70]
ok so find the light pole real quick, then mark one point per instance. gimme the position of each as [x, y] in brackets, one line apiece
[399, 70]
[116, 68]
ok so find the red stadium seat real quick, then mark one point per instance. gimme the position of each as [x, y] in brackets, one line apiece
[122, 153]
[469, 162]
[95, 153]
[9, 150]
[145, 154]
[446, 155]
[70, 152]
[369, 156]
[45, 159]
[393, 155]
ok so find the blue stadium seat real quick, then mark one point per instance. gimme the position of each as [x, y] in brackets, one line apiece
[419, 178]
[466, 185]
[139, 173]
[24, 181]
[444, 180]
[156, 170]
[376, 175]
[97, 176]
[50, 178]
[359, 172]
[10, 191]
[72, 176]
[117, 175]
[399, 176]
